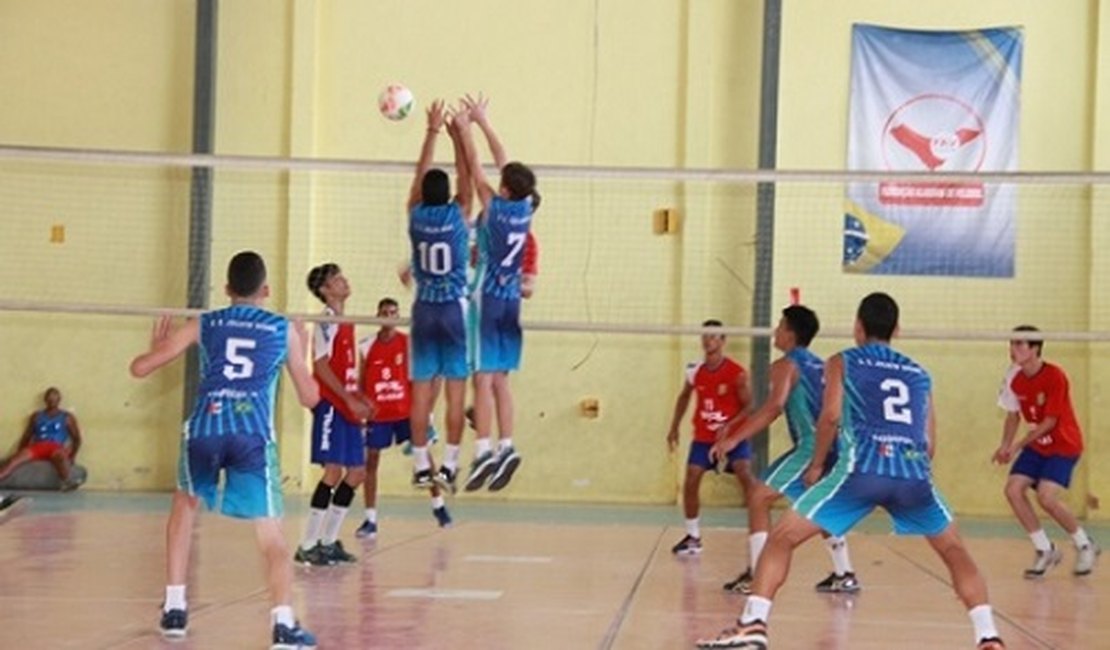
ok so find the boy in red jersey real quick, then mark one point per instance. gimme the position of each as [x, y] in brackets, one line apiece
[723, 396]
[1046, 455]
[385, 382]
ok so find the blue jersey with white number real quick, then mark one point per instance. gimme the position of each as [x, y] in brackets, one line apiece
[803, 405]
[502, 233]
[440, 254]
[51, 428]
[885, 409]
[242, 349]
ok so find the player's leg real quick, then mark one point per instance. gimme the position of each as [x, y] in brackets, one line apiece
[1024, 474]
[485, 460]
[350, 454]
[21, 457]
[455, 392]
[697, 462]
[456, 371]
[969, 585]
[369, 527]
[59, 458]
[418, 422]
[425, 367]
[197, 476]
[310, 550]
[1055, 479]
[508, 458]
[286, 632]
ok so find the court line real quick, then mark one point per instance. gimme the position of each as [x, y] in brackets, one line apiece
[618, 620]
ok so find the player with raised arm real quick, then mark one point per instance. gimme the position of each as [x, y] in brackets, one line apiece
[879, 403]
[796, 386]
[1046, 454]
[231, 428]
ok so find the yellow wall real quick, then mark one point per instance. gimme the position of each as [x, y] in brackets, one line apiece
[657, 83]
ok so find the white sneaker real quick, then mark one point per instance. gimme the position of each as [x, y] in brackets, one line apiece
[1086, 557]
[1042, 562]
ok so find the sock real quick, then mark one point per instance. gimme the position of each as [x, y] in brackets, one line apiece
[481, 446]
[175, 598]
[283, 615]
[983, 620]
[838, 551]
[337, 512]
[755, 547]
[451, 457]
[420, 461]
[320, 499]
[372, 515]
[506, 442]
[692, 528]
[1080, 538]
[757, 608]
[437, 502]
[1040, 540]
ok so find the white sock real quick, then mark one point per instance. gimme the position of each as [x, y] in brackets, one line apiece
[755, 547]
[420, 461]
[175, 598]
[693, 529]
[312, 528]
[1080, 538]
[437, 502]
[451, 457]
[372, 515]
[1040, 540]
[333, 523]
[481, 446]
[506, 442]
[838, 551]
[983, 620]
[756, 609]
[283, 615]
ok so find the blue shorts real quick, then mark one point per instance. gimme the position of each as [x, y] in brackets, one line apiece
[496, 338]
[1038, 467]
[335, 439]
[699, 454]
[382, 435]
[438, 340]
[842, 499]
[785, 474]
[252, 477]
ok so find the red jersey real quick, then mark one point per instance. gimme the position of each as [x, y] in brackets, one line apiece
[385, 376]
[336, 342]
[530, 263]
[717, 393]
[1046, 394]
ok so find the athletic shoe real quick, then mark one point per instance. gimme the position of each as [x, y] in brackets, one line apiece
[368, 530]
[839, 584]
[480, 471]
[752, 636]
[315, 556]
[446, 479]
[1086, 557]
[507, 463]
[336, 554]
[689, 545]
[423, 479]
[174, 623]
[742, 584]
[292, 638]
[992, 643]
[11, 505]
[443, 518]
[1042, 562]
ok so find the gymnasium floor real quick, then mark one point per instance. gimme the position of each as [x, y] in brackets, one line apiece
[85, 570]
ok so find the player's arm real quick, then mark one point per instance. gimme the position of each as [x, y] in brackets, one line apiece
[166, 345]
[828, 422]
[464, 182]
[742, 391]
[481, 181]
[74, 435]
[680, 406]
[478, 114]
[308, 391]
[1004, 453]
[427, 151]
[529, 266]
[326, 376]
[783, 375]
[1043, 427]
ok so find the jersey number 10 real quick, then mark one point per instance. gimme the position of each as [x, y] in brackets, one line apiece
[435, 258]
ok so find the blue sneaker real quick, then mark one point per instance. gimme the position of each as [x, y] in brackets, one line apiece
[174, 623]
[368, 530]
[442, 516]
[292, 638]
[507, 463]
[480, 471]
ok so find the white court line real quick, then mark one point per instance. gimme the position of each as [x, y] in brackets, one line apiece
[445, 594]
[510, 559]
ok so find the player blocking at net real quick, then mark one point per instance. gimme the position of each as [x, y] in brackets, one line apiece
[230, 429]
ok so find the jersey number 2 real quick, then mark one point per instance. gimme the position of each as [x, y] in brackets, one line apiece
[238, 366]
[896, 406]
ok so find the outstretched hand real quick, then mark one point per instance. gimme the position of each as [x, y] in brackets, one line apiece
[476, 107]
[163, 326]
[436, 115]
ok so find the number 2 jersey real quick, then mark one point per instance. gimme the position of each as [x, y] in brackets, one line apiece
[883, 421]
[242, 349]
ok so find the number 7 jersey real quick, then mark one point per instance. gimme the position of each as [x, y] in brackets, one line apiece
[242, 349]
[883, 422]
[502, 234]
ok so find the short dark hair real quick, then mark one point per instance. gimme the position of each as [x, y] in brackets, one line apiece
[387, 302]
[435, 187]
[878, 313]
[246, 273]
[803, 322]
[319, 276]
[712, 322]
[1033, 343]
[520, 182]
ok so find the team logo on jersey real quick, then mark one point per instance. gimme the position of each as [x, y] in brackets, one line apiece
[400, 359]
[1040, 399]
[215, 408]
[886, 450]
[242, 408]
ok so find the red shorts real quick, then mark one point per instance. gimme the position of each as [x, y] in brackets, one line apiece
[44, 450]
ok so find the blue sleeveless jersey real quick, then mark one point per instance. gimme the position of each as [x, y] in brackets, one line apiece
[50, 428]
[886, 403]
[803, 405]
[242, 349]
[440, 254]
[502, 233]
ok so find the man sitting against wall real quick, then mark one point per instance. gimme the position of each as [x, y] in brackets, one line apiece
[52, 434]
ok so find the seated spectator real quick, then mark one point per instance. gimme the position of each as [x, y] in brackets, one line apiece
[52, 435]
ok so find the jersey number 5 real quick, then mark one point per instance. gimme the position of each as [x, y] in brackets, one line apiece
[896, 406]
[238, 366]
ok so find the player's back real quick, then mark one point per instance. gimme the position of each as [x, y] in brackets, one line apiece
[439, 234]
[502, 234]
[803, 404]
[242, 349]
[885, 412]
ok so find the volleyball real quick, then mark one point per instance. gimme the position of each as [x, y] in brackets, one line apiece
[395, 102]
